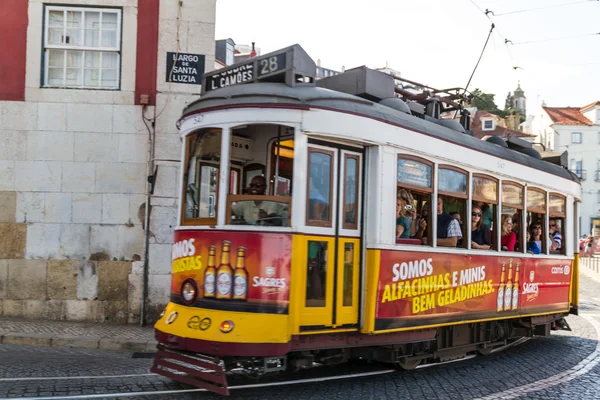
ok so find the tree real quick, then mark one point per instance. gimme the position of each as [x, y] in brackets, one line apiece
[485, 102]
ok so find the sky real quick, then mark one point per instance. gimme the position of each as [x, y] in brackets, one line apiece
[438, 42]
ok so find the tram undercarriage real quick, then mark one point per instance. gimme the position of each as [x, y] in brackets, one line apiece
[448, 343]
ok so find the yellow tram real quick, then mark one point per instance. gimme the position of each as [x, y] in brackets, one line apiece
[287, 250]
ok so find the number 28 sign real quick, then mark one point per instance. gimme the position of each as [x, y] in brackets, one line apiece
[272, 64]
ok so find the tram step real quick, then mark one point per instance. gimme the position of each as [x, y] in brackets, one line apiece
[198, 370]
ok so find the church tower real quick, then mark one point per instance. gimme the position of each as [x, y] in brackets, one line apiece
[519, 100]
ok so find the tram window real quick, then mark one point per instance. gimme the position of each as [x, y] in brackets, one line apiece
[203, 149]
[557, 223]
[265, 192]
[351, 182]
[320, 172]
[536, 214]
[316, 279]
[512, 204]
[452, 185]
[485, 197]
[413, 193]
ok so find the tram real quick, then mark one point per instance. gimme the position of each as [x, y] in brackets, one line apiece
[287, 254]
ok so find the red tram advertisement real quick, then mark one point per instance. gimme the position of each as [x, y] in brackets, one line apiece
[307, 233]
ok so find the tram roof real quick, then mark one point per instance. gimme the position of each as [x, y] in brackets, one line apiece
[280, 94]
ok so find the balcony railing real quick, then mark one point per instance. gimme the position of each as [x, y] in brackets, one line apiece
[597, 175]
[581, 173]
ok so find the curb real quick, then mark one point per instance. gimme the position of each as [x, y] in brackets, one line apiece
[88, 342]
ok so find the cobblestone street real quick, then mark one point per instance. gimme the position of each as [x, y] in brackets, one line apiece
[562, 366]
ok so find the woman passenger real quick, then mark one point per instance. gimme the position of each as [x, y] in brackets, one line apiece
[404, 214]
[480, 233]
[509, 238]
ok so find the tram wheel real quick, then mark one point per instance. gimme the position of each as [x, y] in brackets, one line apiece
[407, 365]
[485, 352]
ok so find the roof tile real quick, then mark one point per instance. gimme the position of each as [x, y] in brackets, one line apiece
[567, 116]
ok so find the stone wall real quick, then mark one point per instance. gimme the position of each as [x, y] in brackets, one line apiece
[100, 291]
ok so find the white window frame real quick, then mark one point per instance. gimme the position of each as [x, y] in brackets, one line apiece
[573, 137]
[483, 121]
[82, 48]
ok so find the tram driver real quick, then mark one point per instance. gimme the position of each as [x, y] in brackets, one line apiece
[257, 212]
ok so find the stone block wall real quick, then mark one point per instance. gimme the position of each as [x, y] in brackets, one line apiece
[100, 291]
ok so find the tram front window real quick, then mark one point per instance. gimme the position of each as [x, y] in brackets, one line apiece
[203, 150]
[262, 155]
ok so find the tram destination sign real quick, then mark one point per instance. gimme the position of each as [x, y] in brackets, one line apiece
[185, 68]
[279, 66]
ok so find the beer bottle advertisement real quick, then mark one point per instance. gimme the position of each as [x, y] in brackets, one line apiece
[515, 295]
[210, 273]
[508, 288]
[239, 271]
[240, 276]
[500, 298]
[225, 273]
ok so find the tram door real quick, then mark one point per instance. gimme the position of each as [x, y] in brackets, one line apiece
[330, 298]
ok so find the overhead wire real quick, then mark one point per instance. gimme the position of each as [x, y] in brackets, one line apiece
[551, 39]
[542, 8]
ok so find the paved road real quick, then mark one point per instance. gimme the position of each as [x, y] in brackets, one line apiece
[563, 366]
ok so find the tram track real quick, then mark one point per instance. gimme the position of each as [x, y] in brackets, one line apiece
[365, 371]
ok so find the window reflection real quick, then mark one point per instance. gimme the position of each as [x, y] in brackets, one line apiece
[316, 280]
[319, 190]
[202, 175]
[351, 192]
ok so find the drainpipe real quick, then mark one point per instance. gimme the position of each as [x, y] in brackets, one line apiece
[149, 190]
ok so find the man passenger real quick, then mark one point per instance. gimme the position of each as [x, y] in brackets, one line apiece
[255, 212]
[556, 237]
[448, 228]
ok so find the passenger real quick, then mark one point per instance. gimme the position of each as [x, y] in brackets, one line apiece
[421, 224]
[405, 214]
[481, 237]
[532, 247]
[488, 214]
[448, 229]
[452, 205]
[509, 238]
[516, 218]
[536, 234]
[456, 215]
[555, 236]
[257, 212]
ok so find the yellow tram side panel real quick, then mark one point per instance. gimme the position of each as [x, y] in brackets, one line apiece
[574, 293]
[373, 262]
[248, 327]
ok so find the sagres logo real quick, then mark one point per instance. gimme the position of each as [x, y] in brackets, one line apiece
[269, 282]
[531, 288]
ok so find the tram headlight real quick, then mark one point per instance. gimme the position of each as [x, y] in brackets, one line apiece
[189, 291]
[226, 326]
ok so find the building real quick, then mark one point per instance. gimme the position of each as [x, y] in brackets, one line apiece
[484, 123]
[517, 101]
[89, 99]
[577, 131]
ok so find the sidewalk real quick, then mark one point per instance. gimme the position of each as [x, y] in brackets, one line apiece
[590, 267]
[91, 335]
